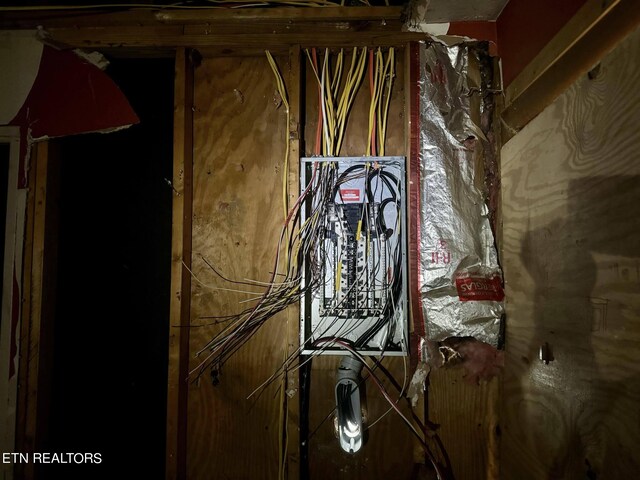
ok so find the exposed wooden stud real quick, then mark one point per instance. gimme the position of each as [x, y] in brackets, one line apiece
[467, 412]
[25, 399]
[292, 394]
[597, 27]
[180, 303]
[389, 449]
[12, 234]
[412, 134]
[37, 342]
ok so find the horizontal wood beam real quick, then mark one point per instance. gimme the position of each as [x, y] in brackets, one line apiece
[179, 36]
[597, 27]
[325, 14]
[218, 30]
[80, 18]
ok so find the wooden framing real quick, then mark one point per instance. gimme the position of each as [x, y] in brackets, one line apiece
[27, 389]
[80, 17]
[311, 15]
[180, 302]
[292, 424]
[36, 330]
[596, 28]
[196, 36]
[11, 305]
[224, 28]
[412, 139]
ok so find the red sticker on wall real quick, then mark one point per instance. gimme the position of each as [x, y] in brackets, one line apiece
[350, 194]
[480, 288]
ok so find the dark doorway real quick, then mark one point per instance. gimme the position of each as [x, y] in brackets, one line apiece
[110, 340]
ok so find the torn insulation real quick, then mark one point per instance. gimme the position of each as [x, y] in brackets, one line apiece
[460, 281]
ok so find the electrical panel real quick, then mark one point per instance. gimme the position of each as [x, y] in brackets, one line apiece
[354, 282]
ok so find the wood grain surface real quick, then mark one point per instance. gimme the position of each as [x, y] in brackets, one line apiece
[239, 138]
[587, 37]
[467, 416]
[571, 257]
[180, 301]
[292, 79]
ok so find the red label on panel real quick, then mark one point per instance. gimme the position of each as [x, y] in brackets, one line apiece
[350, 194]
[480, 288]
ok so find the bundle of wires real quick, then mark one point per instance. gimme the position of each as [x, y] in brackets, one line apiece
[305, 242]
[381, 75]
[335, 96]
[283, 288]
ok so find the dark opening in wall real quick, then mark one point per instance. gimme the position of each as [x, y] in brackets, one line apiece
[112, 299]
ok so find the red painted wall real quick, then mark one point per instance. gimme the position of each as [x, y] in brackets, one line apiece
[477, 30]
[70, 96]
[526, 26]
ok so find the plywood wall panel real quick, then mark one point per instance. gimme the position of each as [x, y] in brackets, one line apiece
[571, 259]
[467, 416]
[239, 139]
[239, 135]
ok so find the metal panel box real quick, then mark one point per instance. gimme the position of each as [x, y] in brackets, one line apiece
[354, 275]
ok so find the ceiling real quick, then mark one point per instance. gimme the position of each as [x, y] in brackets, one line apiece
[461, 10]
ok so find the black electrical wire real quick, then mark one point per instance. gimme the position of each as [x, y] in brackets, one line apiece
[386, 177]
[305, 396]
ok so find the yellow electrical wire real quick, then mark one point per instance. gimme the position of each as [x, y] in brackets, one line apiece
[354, 78]
[391, 60]
[283, 95]
[329, 106]
[381, 71]
[384, 73]
[337, 96]
[373, 106]
[337, 75]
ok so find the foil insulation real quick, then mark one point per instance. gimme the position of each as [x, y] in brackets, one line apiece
[460, 281]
